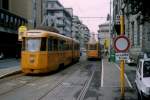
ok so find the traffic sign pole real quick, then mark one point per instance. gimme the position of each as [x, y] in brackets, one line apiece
[122, 64]
[122, 80]
[121, 45]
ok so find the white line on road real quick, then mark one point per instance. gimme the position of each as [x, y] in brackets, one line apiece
[125, 76]
[102, 75]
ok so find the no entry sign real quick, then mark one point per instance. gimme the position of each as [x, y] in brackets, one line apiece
[121, 44]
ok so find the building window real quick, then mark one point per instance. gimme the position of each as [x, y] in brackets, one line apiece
[148, 36]
[5, 4]
[138, 32]
[52, 4]
[132, 25]
[0, 4]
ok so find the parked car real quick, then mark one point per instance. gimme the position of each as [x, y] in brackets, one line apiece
[141, 55]
[129, 61]
[142, 80]
[1, 55]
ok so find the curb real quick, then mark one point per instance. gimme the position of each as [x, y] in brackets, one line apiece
[10, 74]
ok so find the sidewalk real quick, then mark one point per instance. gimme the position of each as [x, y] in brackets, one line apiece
[9, 71]
[110, 85]
[9, 67]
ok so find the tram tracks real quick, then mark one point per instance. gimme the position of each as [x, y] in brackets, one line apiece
[60, 83]
[48, 84]
[15, 82]
[61, 80]
[85, 87]
[20, 80]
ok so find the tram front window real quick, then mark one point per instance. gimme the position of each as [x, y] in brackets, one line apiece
[33, 44]
[92, 47]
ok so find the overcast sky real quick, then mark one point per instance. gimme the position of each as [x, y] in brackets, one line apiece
[89, 8]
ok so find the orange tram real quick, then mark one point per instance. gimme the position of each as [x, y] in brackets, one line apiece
[45, 51]
[93, 51]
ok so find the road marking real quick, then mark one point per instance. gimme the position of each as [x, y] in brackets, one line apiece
[102, 75]
[125, 76]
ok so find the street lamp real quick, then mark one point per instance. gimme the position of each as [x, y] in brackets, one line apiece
[34, 13]
[110, 31]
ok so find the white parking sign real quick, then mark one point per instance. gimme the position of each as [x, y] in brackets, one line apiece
[122, 56]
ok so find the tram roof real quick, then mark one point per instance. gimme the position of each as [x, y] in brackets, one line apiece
[42, 33]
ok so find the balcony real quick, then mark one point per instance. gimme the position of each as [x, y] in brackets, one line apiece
[60, 23]
[10, 22]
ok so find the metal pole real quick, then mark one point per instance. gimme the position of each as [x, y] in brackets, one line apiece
[110, 32]
[34, 13]
[122, 62]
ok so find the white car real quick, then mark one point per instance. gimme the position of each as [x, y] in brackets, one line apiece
[129, 61]
[142, 80]
[1, 55]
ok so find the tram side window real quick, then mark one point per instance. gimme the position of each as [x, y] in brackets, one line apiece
[69, 46]
[66, 46]
[61, 45]
[23, 44]
[74, 47]
[78, 47]
[43, 44]
[50, 45]
[55, 44]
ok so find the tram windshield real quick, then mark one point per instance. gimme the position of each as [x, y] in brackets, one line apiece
[32, 44]
[92, 47]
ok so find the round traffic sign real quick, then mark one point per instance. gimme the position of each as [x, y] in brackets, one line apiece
[121, 44]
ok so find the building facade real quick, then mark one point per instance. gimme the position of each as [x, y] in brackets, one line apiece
[76, 23]
[9, 23]
[80, 31]
[137, 22]
[104, 35]
[85, 33]
[29, 9]
[57, 16]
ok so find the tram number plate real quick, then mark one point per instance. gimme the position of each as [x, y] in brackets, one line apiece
[122, 56]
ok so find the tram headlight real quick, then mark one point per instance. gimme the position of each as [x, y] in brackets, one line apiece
[31, 59]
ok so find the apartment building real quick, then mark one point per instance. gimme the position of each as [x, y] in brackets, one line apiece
[29, 9]
[57, 16]
[76, 27]
[80, 31]
[104, 35]
[85, 32]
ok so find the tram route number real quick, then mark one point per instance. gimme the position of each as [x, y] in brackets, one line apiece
[122, 56]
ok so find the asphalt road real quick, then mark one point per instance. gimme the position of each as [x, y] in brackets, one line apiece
[85, 80]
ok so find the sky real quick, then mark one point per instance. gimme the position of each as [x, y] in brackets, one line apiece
[89, 8]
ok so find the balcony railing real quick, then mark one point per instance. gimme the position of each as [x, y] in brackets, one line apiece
[11, 21]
